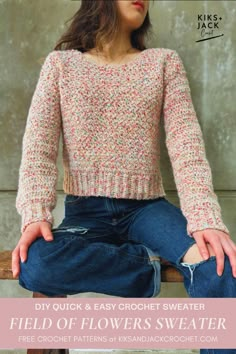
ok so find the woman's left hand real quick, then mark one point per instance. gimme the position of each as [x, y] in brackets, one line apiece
[221, 243]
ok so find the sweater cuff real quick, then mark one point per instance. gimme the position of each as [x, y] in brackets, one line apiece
[211, 223]
[34, 213]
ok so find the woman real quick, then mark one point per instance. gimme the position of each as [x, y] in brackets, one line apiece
[105, 91]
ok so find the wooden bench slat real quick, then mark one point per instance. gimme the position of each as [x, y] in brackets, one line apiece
[5, 265]
[169, 274]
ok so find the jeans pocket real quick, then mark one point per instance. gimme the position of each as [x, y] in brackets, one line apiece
[73, 199]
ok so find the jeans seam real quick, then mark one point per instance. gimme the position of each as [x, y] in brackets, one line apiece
[184, 252]
[134, 217]
[143, 244]
[157, 270]
[139, 258]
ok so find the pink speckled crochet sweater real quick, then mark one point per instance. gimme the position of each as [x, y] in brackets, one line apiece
[109, 117]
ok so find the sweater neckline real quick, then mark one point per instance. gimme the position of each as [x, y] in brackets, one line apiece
[131, 62]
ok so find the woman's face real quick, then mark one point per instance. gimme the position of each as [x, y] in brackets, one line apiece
[132, 15]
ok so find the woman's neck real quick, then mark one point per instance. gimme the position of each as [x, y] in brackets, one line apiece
[115, 57]
[102, 61]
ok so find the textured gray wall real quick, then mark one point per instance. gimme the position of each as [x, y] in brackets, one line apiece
[29, 30]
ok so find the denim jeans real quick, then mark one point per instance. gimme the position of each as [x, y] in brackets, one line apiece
[112, 246]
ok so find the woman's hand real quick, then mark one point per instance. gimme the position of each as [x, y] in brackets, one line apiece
[33, 231]
[221, 243]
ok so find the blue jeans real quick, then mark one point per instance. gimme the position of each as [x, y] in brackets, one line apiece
[112, 246]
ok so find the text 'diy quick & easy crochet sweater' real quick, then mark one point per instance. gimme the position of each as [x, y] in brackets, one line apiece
[109, 118]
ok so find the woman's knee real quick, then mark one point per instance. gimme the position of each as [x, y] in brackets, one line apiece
[193, 254]
[35, 270]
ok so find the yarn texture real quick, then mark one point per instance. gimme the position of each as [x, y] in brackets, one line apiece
[109, 117]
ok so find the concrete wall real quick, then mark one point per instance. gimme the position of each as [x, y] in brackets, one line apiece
[29, 30]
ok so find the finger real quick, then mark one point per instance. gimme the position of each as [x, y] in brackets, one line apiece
[46, 233]
[23, 252]
[229, 250]
[219, 253]
[15, 262]
[202, 247]
[232, 244]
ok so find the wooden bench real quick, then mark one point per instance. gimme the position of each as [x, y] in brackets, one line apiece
[168, 274]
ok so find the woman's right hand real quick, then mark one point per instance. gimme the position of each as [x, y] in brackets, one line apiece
[31, 233]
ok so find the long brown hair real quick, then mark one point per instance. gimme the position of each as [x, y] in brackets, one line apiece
[95, 23]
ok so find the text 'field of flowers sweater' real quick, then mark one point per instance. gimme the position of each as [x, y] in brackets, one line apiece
[109, 118]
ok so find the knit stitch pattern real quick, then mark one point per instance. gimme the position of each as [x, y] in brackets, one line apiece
[109, 117]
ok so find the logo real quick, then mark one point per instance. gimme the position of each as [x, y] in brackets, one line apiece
[208, 26]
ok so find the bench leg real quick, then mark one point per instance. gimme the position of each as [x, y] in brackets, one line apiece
[47, 351]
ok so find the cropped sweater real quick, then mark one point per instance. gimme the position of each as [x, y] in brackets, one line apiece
[109, 117]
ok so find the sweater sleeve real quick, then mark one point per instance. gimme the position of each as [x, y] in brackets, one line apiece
[36, 195]
[186, 149]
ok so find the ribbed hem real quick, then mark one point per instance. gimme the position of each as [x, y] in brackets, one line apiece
[216, 224]
[120, 185]
[34, 213]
